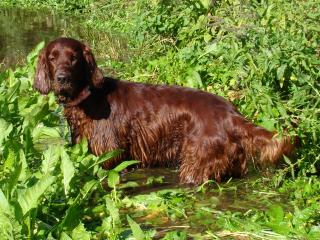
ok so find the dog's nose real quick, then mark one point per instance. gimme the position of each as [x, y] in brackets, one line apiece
[62, 78]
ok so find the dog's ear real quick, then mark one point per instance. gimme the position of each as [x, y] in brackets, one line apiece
[95, 74]
[42, 78]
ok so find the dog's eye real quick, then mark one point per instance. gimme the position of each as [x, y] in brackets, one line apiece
[51, 59]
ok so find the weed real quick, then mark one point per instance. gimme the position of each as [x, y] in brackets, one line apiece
[261, 55]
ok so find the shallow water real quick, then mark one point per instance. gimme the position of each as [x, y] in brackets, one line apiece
[22, 30]
[202, 207]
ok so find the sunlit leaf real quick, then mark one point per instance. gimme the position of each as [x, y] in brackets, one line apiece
[124, 165]
[45, 134]
[65, 236]
[80, 233]
[10, 159]
[113, 210]
[15, 173]
[13, 91]
[24, 166]
[106, 156]
[4, 204]
[113, 178]
[6, 227]
[136, 230]
[29, 198]
[34, 53]
[51, 159]
[73, 213]
[193, 79]
[67, 170]
[206, 3]
[276, 214]
[5, 129]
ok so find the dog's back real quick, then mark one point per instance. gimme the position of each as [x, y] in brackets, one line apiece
[159, 125]
[199, 132]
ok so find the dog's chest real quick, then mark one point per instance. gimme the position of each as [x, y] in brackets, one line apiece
[81, 126]
[99, 133]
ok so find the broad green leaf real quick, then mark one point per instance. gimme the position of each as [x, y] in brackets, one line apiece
[73, 213]
[13, 90]
[34, 53]
[80, 149]
[130, 184]
[106, 156]
[153, 180]
[113, 178]
[24, 166]
[193, 79]
[5, 129]
[84, 145]
[6, 227]
[67, 170]
[65, 236]
[124, 165]
[10, 159]
[80, 233]
[88, 187]
[72, 217]
[4, 204]
[29, 198]
[35, 114]
[268, 124]
[212, 48]
[51, 159]
[276, 214]
[14, 177]
[11, 80]
[206, 3]
[207, 37]
[136, 230]
[113, 210]
[41, 133]
[102, 174]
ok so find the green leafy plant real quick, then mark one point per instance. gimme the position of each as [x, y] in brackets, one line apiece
[261, 55]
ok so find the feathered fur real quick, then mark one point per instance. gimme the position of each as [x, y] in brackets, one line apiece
[200, 133]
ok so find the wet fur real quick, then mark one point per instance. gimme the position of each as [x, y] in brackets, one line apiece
[200, 133]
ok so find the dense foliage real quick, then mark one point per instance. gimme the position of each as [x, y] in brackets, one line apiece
[261, 55]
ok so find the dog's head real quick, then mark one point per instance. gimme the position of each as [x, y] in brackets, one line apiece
[67, 67]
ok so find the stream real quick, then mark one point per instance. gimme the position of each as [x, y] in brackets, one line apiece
[22, 30]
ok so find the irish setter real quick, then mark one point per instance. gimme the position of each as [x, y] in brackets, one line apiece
[200, 133]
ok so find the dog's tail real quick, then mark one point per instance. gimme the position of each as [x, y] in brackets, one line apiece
[261, 145]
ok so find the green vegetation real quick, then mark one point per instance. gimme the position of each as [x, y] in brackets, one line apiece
[264, 56]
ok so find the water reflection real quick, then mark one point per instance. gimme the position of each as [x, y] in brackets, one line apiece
[201, 207]
[21, 30]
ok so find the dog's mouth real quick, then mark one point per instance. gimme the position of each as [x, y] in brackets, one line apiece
[62, 99]
[63, 96]
[66, 98]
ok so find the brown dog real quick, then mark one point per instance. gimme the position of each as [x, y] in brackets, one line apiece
[201, 133]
